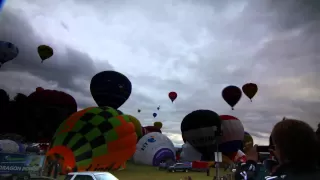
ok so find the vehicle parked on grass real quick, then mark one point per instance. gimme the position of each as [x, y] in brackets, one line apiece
[180, 167]
[90, 175]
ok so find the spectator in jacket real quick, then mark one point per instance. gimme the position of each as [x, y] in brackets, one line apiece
[295, 148]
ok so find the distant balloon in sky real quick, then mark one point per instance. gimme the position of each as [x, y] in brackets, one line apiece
[110, 88]
[250, 90]
[154, 115]
[158, 108]
[45, 52]
[139, 110]
[173, 96]
[232, 94]
[8, 52]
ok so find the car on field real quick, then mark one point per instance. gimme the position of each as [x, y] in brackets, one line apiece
[180, 167]
[90, 175]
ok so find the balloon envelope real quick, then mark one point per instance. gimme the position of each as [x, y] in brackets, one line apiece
[247, 141]
[110, 88]
[250, 90]
[8, 146]
[154, 115]
[232, 95]
[45, 52]
[8, 52]
[189, 153]
[173, 96]
[95, 138]
[199, 128]
[154, 148]
[232, 138]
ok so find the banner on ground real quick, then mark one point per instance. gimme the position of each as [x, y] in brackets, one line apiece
[11, 163]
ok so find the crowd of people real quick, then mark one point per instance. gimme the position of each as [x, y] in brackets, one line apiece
[294, 149]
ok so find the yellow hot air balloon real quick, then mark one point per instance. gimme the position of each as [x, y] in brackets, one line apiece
[45, 52]
[158, 124]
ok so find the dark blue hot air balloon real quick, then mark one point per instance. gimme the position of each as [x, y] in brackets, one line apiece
[154, 115]
[110, 88]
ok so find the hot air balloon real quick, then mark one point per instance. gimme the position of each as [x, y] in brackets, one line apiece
[8, 52]
[173, 96]
[250, 90]
[232, 95]
[110, 88]
[157, 124]
[139, 110]
[8, 146]
[45, 52]
[95, 139]
[158, 108]
[199, 128]
[154, 148]
[150, 129]
[154, 115]
[232, 138]
[53, 106]
[189, 153]
[247, 141]
[137, 126]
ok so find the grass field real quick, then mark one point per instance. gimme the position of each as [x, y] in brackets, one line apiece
[140, 172]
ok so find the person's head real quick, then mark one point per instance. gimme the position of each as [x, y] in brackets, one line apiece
[294, 142]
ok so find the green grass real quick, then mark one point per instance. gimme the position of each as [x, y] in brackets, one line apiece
[141, 172]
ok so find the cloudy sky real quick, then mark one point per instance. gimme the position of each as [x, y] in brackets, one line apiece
[193, 47]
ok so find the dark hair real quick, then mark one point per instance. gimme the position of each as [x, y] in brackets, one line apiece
[296, 141]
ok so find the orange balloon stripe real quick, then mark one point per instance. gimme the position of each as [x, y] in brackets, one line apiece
[67, 154]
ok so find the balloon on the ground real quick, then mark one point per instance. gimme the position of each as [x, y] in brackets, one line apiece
[95, 139]
[189, 153]
[8, 146]
[199, 129]
[250, 90]
[157, 124]
[110, 88]
[45, 52]
[8, 51]
[247, 141]
[154, 115]
[137, 126]
[232, 95]
[154, 148]
[232, 138]
[173, 96]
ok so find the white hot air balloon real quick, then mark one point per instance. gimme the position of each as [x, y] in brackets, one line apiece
[8, 146]
[189, 153]
[154, 148]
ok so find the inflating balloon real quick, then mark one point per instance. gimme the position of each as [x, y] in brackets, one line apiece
[110, 88]
[199, 129]
[232, 138]
[154, 115]
[250, 90]
[95, 139]
[8, 52]
[137, 126]
[158, 124]
[154, 148]
[8, 146]
[232, 95]
[189, 153]
[45, 52]
[57, 106]
[173, 96]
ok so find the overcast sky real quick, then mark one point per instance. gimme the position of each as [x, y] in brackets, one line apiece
[193, 47]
